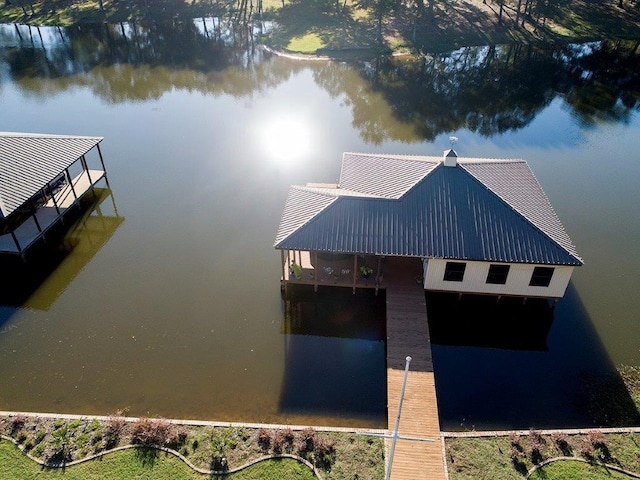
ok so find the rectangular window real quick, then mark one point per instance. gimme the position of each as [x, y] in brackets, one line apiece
[454, 271]
[498, 274]
[541, 277]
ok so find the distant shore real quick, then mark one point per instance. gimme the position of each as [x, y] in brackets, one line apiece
[341, 29]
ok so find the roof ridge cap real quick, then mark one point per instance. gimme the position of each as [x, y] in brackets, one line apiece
[398, 156]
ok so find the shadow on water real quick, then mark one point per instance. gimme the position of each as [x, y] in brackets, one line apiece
[335, 355]
[508, 323]
[69, 247]
[492, 375]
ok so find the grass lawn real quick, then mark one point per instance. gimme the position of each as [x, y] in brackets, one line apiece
[138, 464]
[336, 455]
[572, 470]
[509, 458]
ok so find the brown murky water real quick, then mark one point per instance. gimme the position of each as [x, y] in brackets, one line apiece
[178, 313]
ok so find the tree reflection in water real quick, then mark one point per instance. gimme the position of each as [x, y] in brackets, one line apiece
[487, 90]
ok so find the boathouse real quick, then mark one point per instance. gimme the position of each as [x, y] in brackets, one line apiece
[41, 178]
[480, 226]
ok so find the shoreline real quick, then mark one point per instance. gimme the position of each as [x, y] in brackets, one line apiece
[310, 32]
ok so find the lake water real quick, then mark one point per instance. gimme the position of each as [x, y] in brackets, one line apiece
[178, 313]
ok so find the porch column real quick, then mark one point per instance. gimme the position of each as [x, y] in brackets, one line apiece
[315, 273]
[355, 271]
[284, 279]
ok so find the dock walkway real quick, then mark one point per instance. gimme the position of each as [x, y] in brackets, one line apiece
[408, 334]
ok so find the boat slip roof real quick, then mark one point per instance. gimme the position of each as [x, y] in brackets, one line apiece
[28, 161]
[481, 209]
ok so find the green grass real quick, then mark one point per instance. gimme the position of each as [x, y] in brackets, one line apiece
[138, 464]
[492, 457]
[572, 470]
[309, 42]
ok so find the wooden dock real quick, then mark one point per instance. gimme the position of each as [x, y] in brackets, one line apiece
[408, 335]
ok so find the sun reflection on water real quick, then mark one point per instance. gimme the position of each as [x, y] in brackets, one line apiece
[287, 139]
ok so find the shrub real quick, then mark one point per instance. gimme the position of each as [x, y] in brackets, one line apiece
[219, 457]
[96, 438]
[21, 437]
[307, 441]
[597, 438]
[561, 441]
[517, 451]
[278, 442]
[325, 451]
[536, 443]
[93, 426]
[16, 423]
[242, 433]
[283, 440]
[288, 435]
[60, 439]
[587, 450]
[177, 436]
[38, 450]
[599, 442]
[264, 438]
[28, 443]
[40, 434]
[75, 424]
[112, 429]
[150, 432]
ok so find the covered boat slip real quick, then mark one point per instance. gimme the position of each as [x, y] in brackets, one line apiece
[42, 177]
[42, 219]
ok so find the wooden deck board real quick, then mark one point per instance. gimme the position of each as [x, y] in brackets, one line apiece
[408, 334]
[81, 185]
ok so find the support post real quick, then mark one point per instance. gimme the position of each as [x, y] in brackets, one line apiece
[35, 219]
[15, 240]
[104, 169]
[85, 166]
[355, 271]
[315, 273]
[73, 190]
[378, 273]
[397, 425]
[53, 198]
[284, 279]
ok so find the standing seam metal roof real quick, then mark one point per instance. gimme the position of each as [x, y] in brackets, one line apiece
[29, 161]
[460, 212]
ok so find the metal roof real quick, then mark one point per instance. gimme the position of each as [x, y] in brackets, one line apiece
[28, 161]
[389, 176]
[489, 210]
